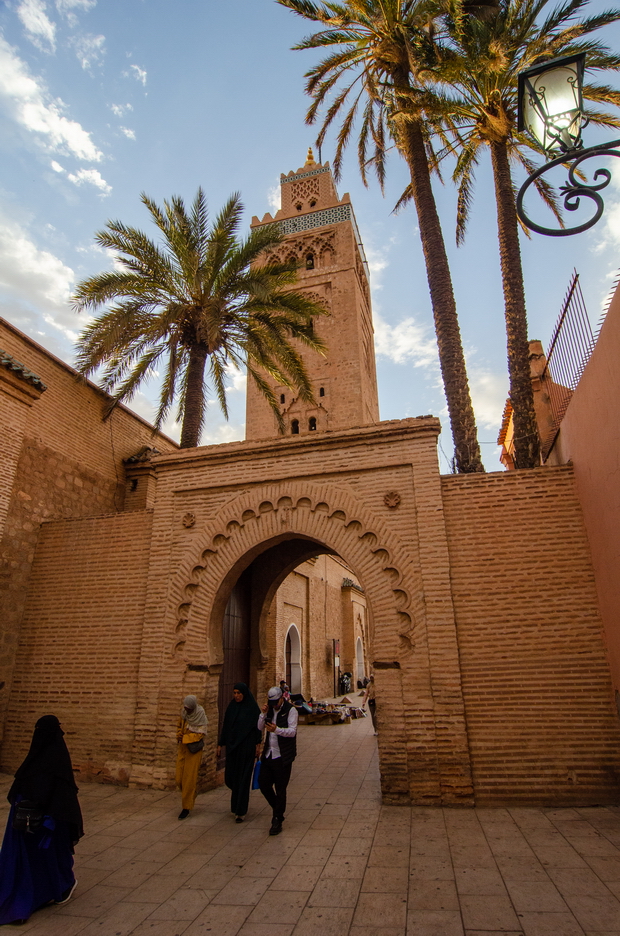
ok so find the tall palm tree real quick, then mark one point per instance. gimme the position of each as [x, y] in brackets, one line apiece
[379, 47]
[200, 295]
[481, 63]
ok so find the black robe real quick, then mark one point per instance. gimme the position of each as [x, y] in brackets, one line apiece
[239, 736]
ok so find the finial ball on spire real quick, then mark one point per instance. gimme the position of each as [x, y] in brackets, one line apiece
[310, 157]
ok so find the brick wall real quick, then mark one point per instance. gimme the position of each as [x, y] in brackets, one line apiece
[69, 464]
[535, 675]
[80, 641]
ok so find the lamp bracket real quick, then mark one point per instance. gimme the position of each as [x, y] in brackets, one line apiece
[574, 189]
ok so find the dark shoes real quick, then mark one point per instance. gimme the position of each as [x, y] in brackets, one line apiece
[239, 819]
[184, 814]
[276, 826]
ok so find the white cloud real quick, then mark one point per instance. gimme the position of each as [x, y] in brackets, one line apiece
[39, 28]
[138, 73]
[237, 380]
[90, 177]
[35, 276]
[30, 105]
[274, 198]
[56, 166]
[88, 49]
[130, 134]
[488, 394]
[119, 110]
[406, 341]
[66, 6]
[377, 262]
[227, 432]
[610, 228]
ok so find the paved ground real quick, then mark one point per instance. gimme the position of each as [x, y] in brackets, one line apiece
[343, 866]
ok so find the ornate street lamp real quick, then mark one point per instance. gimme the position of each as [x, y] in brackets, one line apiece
[551, 111]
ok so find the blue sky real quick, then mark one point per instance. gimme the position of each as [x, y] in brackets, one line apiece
[102, 99]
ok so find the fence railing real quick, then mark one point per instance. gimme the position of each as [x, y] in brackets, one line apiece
[569, 351]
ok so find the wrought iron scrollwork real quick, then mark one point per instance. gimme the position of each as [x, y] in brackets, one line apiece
[575, 189]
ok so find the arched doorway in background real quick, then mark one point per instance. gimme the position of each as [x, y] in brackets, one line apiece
[292, 655]
[359, 659]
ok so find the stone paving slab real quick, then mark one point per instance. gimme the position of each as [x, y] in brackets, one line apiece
[344, 865]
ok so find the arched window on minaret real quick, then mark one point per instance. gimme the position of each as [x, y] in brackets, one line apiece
[312, 423]
[327, 257]
[310, 261]
[295, 427]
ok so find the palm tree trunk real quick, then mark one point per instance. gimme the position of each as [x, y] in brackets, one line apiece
[451, 356]
[526, 438]
[193, 405]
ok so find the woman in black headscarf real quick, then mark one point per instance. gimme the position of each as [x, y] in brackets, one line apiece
[241, 738]
[45, 822]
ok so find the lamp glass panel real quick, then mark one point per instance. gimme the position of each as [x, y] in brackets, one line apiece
[551, 106]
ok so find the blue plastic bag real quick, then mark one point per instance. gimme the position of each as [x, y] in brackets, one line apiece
[255, 775]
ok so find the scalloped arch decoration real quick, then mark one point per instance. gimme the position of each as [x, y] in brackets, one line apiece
[326, 514]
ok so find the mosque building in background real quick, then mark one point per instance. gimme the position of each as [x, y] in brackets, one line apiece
[134, 572]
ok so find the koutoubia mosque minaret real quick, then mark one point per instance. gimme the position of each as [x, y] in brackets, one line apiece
[322, 237]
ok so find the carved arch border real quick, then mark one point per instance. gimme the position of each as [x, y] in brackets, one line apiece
[326, 514]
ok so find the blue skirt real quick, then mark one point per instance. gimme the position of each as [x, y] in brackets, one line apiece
[35, 868]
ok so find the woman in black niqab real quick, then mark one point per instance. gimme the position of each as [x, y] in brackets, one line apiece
[241, 738]
[36, 866]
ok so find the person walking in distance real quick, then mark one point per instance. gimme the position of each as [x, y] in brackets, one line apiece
[241, 738]
[372, 702]
[279, 717]
[191, 732]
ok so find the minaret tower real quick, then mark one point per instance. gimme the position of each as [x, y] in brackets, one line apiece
[321, 235]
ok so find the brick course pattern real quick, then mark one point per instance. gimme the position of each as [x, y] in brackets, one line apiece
[59, 459]
[536, 682]
[492, 682]
[80, 641]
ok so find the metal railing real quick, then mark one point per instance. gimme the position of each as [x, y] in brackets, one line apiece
[569, 351]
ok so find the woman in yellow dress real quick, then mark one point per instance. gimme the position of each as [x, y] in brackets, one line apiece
[191, 734]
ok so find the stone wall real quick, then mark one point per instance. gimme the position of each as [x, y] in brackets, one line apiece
[536, 682]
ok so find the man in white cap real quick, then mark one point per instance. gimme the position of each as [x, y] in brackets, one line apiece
[279, 717]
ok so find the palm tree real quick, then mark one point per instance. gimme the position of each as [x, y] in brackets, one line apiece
[380, 47]
[481, 64]
[199, 295]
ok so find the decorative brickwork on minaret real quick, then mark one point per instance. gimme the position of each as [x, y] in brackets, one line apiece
[322, 237]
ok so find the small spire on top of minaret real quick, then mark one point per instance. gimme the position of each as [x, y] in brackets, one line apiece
[310, 157]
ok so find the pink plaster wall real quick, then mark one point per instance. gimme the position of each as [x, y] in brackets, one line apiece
[590, 438]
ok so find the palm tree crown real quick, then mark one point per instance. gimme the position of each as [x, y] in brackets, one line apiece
[200, 295]
[479, 65]
[377, 50]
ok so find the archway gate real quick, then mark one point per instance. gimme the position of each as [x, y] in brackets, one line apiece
[370, 495]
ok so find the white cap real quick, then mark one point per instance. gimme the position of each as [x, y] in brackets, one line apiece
[274, 694]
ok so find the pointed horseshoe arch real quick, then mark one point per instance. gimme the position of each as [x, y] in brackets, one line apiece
[328, 517]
